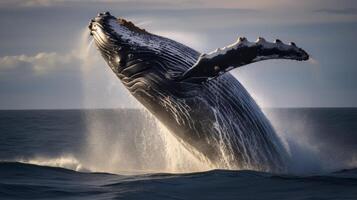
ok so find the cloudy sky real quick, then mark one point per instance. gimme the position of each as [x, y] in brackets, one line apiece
[46, 60]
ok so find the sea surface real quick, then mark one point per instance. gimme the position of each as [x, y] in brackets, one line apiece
[127, 154]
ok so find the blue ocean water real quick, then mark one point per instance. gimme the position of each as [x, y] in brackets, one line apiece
[115, 154]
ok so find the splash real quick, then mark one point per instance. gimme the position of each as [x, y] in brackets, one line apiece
[313, 61]
[179, 157]
[88, 60]
[132, 141]
[65, 161]
[128, 144]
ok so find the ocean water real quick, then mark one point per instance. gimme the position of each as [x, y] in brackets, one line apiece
[127, 154]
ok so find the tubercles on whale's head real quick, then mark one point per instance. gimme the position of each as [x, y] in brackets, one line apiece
[116, 39]
[106, 42]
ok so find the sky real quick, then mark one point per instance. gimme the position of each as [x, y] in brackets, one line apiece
[47, 62]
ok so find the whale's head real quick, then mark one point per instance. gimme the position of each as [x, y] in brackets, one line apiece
[117, 39]
[132, 52]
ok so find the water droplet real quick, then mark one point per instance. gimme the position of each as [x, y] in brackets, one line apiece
[117, 59]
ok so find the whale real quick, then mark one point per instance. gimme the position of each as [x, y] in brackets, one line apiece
[194, 95]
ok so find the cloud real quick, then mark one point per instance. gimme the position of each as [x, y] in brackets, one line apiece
[39, 64]
[43, 80]
[345, 11]
[231, 4]
[78, 79]
[131, 3]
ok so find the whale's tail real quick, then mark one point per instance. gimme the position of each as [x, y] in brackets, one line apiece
[238, 54]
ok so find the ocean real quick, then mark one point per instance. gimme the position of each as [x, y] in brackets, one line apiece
[127, 154]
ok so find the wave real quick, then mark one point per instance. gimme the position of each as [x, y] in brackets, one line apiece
[17, 166]
[28, 181]
[70, 162]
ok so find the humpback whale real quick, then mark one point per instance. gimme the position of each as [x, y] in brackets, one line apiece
[194, 95]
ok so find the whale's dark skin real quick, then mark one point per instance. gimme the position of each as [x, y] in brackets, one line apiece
[194, 95]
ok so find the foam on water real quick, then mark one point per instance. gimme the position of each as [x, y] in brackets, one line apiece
[65, 161]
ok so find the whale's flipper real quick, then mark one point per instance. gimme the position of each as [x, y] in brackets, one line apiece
[240, 53]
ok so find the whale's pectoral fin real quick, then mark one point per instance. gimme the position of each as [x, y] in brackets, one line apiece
[238, 54]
